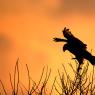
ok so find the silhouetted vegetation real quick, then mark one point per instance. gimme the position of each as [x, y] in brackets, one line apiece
[64, 84]
[81, 84]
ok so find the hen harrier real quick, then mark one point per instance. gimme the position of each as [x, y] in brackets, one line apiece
[76, 47]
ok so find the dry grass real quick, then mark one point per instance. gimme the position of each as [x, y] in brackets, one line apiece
[81, 84]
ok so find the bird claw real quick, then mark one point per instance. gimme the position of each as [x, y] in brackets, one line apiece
[74, 58]
[55, 39]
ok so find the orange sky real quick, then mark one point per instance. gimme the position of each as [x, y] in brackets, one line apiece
[29, 27]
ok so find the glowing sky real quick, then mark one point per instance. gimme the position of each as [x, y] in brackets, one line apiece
[28, 26]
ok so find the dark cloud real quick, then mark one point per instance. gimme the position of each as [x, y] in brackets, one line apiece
[71, 6]
[79, 5]
[56, 6]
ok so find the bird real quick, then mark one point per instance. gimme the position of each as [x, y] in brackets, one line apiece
[76, 47]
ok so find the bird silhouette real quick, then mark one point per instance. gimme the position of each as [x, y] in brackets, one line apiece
[76, 47]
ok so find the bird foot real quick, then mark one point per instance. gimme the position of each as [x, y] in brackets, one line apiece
[74, 58]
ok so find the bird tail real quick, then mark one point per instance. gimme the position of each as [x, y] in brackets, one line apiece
[93, 60]
[59, 40]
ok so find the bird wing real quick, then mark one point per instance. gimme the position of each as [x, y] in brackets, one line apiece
[79, 43]
[73, 40]
[66, 32]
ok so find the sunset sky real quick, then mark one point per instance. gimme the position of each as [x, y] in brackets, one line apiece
[27, 29]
